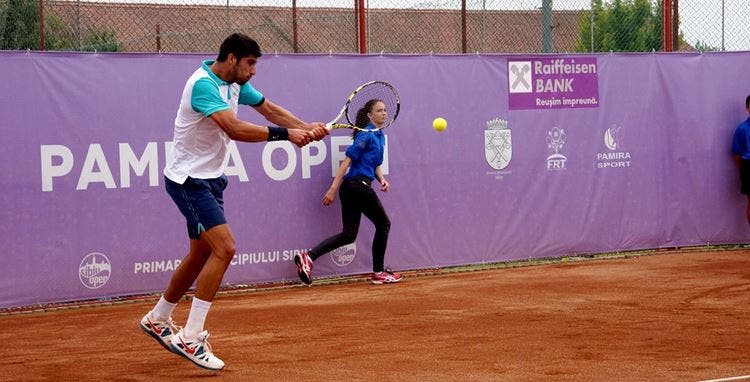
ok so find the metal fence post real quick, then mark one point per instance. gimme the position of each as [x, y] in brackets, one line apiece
[546, 26]
[41, 25]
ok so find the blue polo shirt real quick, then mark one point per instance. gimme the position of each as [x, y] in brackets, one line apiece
[741, 141]
[366, 153]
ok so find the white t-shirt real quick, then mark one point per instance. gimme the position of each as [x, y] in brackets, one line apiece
[200, 146]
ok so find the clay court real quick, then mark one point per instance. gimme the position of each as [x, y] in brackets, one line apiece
[679, 315]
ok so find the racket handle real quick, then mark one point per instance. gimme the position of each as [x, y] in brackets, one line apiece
[329, 126]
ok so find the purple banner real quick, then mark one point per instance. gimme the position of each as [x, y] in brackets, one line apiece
[553, 82]
[85, 213]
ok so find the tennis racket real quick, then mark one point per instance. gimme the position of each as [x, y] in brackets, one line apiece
[380, 90]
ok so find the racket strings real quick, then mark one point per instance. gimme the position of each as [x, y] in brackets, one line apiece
[377, 90]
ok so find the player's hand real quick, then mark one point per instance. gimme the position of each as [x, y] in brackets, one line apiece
[318, 130]
[329, 197]
[385, 186]
[300, 137]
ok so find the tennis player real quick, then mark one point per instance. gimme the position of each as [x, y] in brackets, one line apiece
[206, 122]
[363, 160]
[741, 151]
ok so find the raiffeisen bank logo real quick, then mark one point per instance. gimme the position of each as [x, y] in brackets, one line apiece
[94, 270]
[555, 142]
[615, 157]
[344, 255]
[498, 146]
[519, 76]
[553, 82]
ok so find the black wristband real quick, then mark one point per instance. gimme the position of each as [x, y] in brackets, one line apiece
[278, 133]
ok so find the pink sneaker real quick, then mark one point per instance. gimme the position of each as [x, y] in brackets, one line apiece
[385, 277]
[304, 267]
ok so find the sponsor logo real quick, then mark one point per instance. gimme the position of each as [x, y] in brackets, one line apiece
[555, 142]
[519, 76]
[154, 328]
[553, 82]
[498, 146]
[344, 255]
[94, 270]
[615, 157]
[611, 137]
[188, 349]
[133, 166]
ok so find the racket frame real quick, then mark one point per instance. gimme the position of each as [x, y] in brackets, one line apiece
[344, 110]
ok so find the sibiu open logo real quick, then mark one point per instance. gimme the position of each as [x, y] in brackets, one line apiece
[344, 255]
[94, 270]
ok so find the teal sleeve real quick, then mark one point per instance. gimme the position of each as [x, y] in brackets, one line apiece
[249, 96]
[205, 98]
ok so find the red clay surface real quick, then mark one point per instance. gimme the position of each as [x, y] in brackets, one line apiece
[680, 316]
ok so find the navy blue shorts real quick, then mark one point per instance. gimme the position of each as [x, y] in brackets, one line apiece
[201, 201]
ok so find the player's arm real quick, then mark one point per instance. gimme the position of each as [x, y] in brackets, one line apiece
[282, 117]
[330, 195]
[240, 130]
[384, 185]
[205, 99]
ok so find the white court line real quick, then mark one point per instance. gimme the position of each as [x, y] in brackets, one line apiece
[728, 379]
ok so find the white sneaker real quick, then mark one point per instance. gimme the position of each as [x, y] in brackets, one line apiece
[161, 331]
[197, 350]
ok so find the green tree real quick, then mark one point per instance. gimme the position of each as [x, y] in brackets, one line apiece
[621, 26]
[706, 47]
[20, 31]
[21, 27]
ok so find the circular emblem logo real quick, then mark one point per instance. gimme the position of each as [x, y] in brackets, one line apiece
[94, 270]
[344, 255]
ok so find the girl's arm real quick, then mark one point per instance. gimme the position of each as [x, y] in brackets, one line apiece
[330, 195]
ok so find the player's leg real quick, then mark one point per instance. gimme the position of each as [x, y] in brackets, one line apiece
[186, 274]
[201, 202]
[206, 204]
[197, 201]
[373, 209]
[158, 322]
[745, 184]
[350, 220]
[192, 341]
[222, 244]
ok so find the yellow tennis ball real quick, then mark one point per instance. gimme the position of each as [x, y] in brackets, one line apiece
[439, 124]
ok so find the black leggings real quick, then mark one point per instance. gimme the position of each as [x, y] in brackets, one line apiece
[357, 198]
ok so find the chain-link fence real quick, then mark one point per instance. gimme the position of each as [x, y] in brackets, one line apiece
[390, 26]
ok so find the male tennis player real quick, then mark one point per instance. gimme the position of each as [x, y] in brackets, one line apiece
[741, 151]
[194, 175]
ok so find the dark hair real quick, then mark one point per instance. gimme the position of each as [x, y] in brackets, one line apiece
[240, 45]
[362, 119]
[747, 102]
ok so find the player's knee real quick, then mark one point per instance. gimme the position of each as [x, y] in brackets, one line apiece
[348, 237]
[385, 226]
[226, 251]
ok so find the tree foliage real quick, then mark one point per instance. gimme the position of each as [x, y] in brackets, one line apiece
[621, 26]
[703, 46]
[19, 30]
